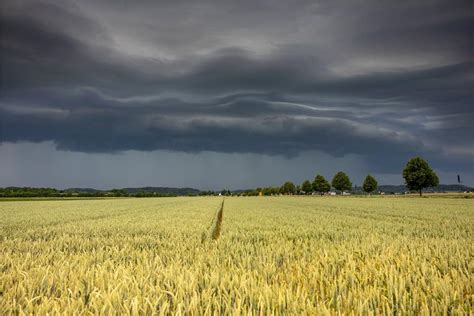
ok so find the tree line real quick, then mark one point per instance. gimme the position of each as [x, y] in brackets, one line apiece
[417, 174]
[30, 192]
[320, 185]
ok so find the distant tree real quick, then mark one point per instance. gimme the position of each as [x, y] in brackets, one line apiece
[114, 192]
[370, 184]
[307, 187]
[298, 189]
[341, 182]
[321, 185]
[288, 188]
[419, 175]
[250, 192]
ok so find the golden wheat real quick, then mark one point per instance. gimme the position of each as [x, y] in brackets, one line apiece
[275, 255]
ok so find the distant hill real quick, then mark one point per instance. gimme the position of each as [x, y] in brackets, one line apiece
[157, 190]
[163, 190]
[82, 190]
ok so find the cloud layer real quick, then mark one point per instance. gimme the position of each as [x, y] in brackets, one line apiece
[380, 80]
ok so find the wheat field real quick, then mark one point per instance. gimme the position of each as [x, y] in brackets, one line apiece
[262, 255]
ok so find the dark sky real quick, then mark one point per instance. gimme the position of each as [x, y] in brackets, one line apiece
[234, 94]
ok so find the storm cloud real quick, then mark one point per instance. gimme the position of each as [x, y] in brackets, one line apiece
[377, 79]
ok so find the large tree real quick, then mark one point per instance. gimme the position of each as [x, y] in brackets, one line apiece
[307, 187]
[370, 184]
[341, 182]
[321, 185]
[288, 188]
[419, 175]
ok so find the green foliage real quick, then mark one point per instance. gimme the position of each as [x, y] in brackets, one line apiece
[321, 185]
[370, 184]
[226, 192]
[250, 193]
[118, 193]
[207, 193]
[288, 188]
[419, 175]
[270, 191]
[341, 182]
[29, 192]
[307, 187]
[298, 189]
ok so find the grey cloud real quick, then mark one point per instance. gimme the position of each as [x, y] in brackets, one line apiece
[246, 77]
[245, 124]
